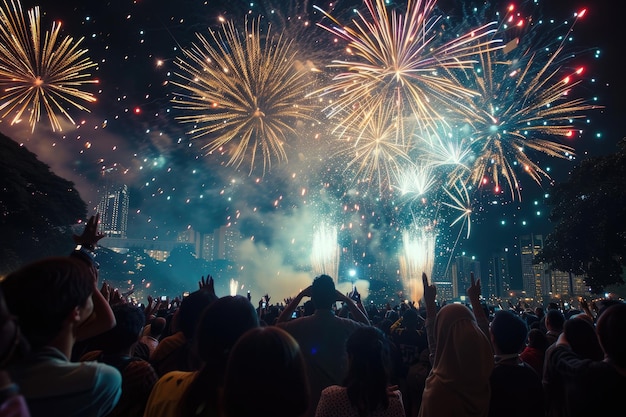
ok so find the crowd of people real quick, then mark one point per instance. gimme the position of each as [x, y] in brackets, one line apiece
[71, 346]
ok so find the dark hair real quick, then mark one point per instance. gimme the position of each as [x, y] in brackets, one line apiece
[129, 320]
[157, 326]
[191, 309]
[323, 292]
[410, 318]
[369, 369]
[509, 332]
[219, 328]
[274, 355]
[556, 319]
[610, 328]
[537, 339]
[42, 294]
[582, 338]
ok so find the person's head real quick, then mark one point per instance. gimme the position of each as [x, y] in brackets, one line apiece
[463, 351]
[411, 319]
[191, 309]
[368, 368]
[157, 327]
[48, 294]
[221, 325]
[537, 339]
[582, 338]
[323, 292]
[129, 320]
[555, 320]
[508, 332]
[266, 376]
[611, 328]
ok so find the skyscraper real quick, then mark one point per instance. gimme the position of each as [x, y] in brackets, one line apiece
[113, 209]
[535, 277]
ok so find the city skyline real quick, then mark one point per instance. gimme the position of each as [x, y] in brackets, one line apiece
[132, 135]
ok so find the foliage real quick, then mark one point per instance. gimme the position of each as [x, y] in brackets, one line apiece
[37, 208]
[588, 210]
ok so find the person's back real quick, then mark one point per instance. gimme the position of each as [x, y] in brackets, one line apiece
[114, 348]
[265, 376]
[366, 390]
[175, 352]
[187, 393]
[516, 388]
[459, 380]
[534, 353]
[583, 341]
[595, 387]
[410, 339]
[322, 337]
[57, 301]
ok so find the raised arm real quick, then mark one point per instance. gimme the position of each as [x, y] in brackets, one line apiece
[293, 304]
[358, 313]
[102, 318]
[430, 294]
[473, 292]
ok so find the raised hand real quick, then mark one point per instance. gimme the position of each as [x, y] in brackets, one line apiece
[208, 285]
[473, 292]
[430, 291]
[90, 236]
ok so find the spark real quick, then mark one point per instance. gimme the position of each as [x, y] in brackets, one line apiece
[525, 103]
[325, 251]
[245, 92]
[40, 75]
[401, 59]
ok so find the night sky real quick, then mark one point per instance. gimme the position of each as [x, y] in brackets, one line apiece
[131, 135]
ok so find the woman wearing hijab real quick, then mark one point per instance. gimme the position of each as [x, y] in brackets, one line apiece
[461, 356]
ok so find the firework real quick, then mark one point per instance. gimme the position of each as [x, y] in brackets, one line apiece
[39, 74]
[525, 103]
[233, 286]
[401, 59]
[375, 154]
[418, 256]
[325, 251]
[245, 92]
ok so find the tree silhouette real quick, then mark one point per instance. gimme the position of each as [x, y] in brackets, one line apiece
[37, 208]
[589, 212]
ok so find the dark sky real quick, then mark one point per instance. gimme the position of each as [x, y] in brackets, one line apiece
[131, 135]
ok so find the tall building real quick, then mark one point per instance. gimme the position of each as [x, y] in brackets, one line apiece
[536, 282]
[460, 271]
[499, 280]
[222, 244]
[113, 209]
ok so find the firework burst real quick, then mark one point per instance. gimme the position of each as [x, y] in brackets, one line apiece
[374, 153]
[39, 74]
[525, 103]
[401, 59]
[245, 91]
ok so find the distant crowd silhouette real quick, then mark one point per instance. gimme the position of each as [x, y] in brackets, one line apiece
[71, 346]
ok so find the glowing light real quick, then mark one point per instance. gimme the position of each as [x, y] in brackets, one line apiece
[39, 75]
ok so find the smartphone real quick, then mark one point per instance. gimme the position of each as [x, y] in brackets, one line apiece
[164, 298]
[186, 294]
[264, 304]
[294, 315]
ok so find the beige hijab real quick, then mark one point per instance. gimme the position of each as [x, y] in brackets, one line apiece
[458, 384]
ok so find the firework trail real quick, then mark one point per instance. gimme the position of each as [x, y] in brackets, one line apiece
[39, 74]
[245, 92]
[401, 59]
[325, 251]
[417, 257]
[525, 103]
